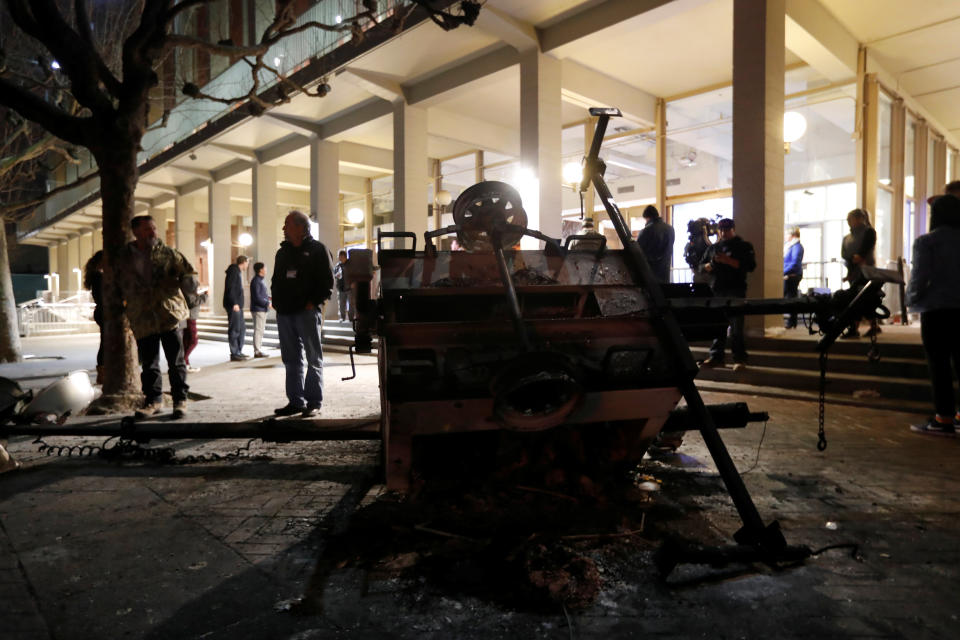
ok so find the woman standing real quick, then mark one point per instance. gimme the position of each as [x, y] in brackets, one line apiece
[934, 291]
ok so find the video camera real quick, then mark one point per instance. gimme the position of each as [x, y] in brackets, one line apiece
[703, 227]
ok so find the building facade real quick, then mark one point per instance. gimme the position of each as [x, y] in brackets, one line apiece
[414, 117]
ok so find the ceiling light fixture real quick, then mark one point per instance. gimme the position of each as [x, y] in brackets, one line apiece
[355, 215]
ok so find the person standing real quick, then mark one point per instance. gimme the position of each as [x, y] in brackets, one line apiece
[154, 281]
[93, 281]
[259, 305]
[233, 304]
[934, 291]
[302, 281]
[656, 240]
[698, 240]
[728, 262]
[858, 250]
[341, 280]
[792, 271]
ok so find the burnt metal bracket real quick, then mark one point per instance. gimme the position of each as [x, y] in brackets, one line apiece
[753, 532]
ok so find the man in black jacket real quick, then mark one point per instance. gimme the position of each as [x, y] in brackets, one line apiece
[233, 303]
[728, 262]
[656, 240]
[302, 281]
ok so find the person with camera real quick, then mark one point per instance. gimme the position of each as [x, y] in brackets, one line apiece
[698, 240]
[728, 262]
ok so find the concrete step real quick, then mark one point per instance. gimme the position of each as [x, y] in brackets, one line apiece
[800, 342]
[214, 329]
[837, 383]
[857, 364]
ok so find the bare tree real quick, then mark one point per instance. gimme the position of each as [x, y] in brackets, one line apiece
[85, 76]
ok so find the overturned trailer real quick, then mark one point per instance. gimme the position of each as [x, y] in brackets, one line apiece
[495, 337]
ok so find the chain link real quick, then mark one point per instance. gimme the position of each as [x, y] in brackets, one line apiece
[821, 435]
[131, 449]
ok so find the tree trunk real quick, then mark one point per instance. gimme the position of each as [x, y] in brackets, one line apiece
[118, 180]
[10, 350]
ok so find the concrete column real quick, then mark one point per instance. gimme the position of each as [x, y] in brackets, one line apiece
[218, 212]
[98, 239]
[758, 68]
[266, 222]
[185, 225]
[897, 154]
[63, 268]
[589, 196]
[52, 268]
[73, 280]
[410, 170]
[661, 177]
[540, 136]
[368, 218]
[86, 248]
[325, 199]
[869, 144]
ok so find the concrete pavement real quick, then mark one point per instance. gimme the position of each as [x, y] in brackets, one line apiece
[225, 549]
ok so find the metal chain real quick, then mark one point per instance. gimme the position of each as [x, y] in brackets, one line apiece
[821, 435]
[132, 449]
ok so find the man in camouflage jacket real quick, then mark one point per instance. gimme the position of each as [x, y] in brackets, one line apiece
[156, 283]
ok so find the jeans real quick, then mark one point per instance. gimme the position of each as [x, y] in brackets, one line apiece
[941, 341]
[299, 336]
[342, 297]
[737, 344]
[259, 324]
[791, 288]
[236, 332]
[148, 351]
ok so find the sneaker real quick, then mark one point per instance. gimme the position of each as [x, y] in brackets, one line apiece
[710, 363]
[310, 410]
[239, 358]
[934, 428]
[739, 366]
[193, 369]
[148, 409]
[289, 410]
[179, 410]
[260, 354]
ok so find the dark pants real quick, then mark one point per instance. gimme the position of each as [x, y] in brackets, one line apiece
[190, 339]
[791, 289]
[236, 332]
[148, 350]
[941, 341]
[737, 344]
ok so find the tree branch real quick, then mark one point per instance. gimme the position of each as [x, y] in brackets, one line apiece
[179, 8]
[42, 20]
[35, 150]
[109, 80]
[66, 127]
[8, 210]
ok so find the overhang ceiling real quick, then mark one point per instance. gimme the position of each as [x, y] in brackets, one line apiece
[674, 48]
[917, 43]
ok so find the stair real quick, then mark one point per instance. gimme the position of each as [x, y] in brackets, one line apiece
[901, 372]
[214, 329]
